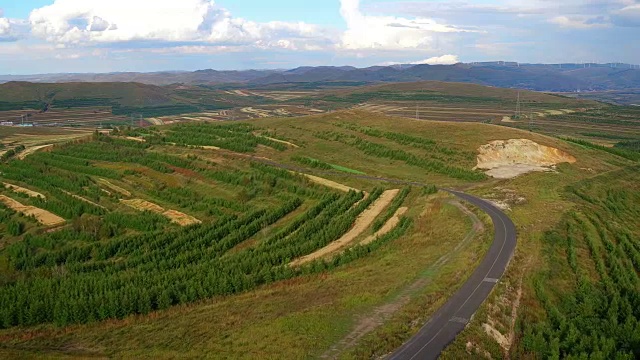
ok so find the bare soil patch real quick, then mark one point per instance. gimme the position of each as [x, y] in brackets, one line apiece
[138, 139]
[329, 183]
[143, 205]
[180, 218]
[175, 216]
[19, 189]
[362, 223]
[514, 157]
[31, 150]
[42, 216]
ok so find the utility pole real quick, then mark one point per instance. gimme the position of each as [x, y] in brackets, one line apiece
[518, 106]
[417, 114]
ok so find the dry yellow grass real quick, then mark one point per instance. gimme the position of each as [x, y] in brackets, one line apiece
[42, 216]
[19, 189]
[362, 223]
[143, 205]
[388, 226]
[180, 218]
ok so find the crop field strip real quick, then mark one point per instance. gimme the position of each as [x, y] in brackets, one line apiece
[597, 124]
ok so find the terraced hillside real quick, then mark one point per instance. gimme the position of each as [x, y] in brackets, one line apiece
[287, 237]
[112, 104]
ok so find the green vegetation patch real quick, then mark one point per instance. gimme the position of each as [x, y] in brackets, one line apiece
[591, 291]
[627, 152]
[318, 164]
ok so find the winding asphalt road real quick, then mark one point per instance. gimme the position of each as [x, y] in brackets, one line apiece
[448, 321]
[453, 316]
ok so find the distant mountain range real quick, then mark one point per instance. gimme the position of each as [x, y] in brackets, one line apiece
[539, 77]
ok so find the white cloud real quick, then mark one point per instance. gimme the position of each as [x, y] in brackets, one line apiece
[387, 32]
[5, 26]
[99, 21]
[579, 22]
[439, 60]
[436, 60]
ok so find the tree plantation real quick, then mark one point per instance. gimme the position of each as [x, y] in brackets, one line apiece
[110, 260]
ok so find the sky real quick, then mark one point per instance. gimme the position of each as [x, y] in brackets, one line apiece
[53, 36]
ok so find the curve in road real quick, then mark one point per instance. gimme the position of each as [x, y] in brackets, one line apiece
[448, 321]
[456, 313]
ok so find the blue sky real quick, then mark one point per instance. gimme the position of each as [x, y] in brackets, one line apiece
[44, 36]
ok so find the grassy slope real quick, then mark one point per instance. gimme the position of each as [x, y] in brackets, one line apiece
[304, 317]
[547, 202]
[126, 94]
[469, 90]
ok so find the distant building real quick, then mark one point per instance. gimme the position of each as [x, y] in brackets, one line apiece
[6, 123]
[26, 125]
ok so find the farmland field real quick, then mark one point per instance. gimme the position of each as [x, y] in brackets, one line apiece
[324, 235]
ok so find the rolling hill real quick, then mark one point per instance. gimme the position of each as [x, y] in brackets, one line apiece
[539, 77]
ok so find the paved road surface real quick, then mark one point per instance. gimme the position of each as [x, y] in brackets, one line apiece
[453, 316]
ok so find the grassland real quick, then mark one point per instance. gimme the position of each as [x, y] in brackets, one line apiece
[112, 104]
[256, 218]
[605, 126]
[224, 286]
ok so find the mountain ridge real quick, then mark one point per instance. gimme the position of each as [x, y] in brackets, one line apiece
[537, 77]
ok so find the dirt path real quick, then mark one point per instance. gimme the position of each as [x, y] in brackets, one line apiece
[362, 223]
[85, 200]
[20, 189]
[384, 312]
[113, 187]
[44, 217]
[31, 150]
[329, 183]
[133, 138]
[281, 141]
[388, 226]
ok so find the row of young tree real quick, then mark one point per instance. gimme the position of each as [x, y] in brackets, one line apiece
[97, 269]
[9, 154]
[138, 274]
[410, 140]
[598, 317]
[240, 137]
[383, 151]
